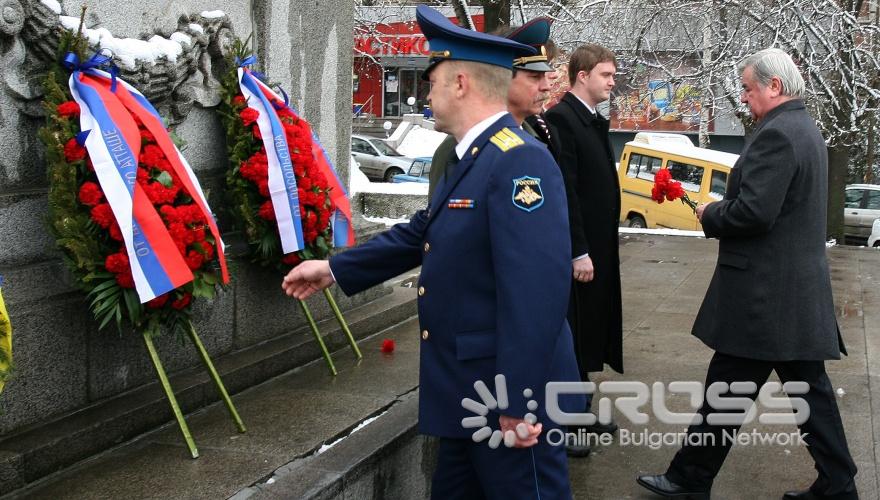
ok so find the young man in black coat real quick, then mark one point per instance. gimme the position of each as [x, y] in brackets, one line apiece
[583, 151]
[769, 305]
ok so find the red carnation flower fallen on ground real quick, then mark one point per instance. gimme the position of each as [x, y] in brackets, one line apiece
[387, 346]
[68, 108]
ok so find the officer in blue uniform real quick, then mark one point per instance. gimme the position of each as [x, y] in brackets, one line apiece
[493, 292]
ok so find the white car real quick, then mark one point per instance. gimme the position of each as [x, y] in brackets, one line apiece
[377, 159]
[874, 239]
[861, 207]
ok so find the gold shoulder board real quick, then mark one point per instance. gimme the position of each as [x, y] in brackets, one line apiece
[506, 140]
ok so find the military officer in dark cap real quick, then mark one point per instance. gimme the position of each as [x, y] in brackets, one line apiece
[528, 90]
[493, 291]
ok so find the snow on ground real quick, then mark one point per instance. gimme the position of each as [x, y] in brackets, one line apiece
[387, 221]
[664, 232]
[420, 142]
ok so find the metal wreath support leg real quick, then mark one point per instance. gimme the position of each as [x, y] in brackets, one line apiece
[342, 323]
[209, 365]
[163, 378]
[317, 334]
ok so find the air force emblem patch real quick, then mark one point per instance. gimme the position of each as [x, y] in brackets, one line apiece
[527, 194]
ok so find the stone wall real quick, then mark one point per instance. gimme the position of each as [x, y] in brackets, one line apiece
[62, 362]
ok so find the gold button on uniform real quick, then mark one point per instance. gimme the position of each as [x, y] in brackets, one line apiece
[427, 246]
[474, 151]
[421, 291]
[424, 334]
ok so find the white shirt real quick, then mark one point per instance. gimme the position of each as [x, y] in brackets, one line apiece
[589, 108]
[462, 147]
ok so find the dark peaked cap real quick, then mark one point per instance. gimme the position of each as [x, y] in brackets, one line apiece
[534, 33]
[452, 43]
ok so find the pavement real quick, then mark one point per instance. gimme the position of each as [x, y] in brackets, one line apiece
[292, 418]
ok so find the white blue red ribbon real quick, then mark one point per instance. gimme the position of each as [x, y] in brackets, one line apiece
[261, 98]
[282, 179]
[114, 145]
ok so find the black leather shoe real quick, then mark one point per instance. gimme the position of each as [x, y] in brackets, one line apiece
[578, 450]
[662, 486]
[811, 495]
[597, 428]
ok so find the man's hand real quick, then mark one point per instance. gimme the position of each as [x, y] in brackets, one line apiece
[307, 278]
[701, 209]
[582, 269]
[526, 434]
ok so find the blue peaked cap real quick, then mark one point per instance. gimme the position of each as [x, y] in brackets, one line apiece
[449, 42]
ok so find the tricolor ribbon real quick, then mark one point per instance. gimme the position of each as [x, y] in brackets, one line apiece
[282, 179]
[5, 342]
[114, 145]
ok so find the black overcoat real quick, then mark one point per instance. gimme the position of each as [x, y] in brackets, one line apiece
[583, 151]
[770, 296]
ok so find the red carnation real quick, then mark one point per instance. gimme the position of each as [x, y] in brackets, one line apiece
[159, 194]
[158, 302]
[73, 151]
[249, 116]
[117, 262]
[125, 279]
[68, 108]
[182, 302]
[267, 212]
[305, 183]
[152, 156]
[102, 214]
[263, 187]
[207, 249]
[191, 214]
[198, 233]
[169, 213]
[90, 194]
[115, 231]
[257, 134]
[194, 260]
[239, 100]
[387, 346]
[311, 236]
[291, 259]
[147, 136]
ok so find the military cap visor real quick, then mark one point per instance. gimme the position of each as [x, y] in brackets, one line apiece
[534, 33]
[449, 42]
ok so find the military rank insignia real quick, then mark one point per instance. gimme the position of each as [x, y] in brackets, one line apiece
[527, 194]
[505, 140]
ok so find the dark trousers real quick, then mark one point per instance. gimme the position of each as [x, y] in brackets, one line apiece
[697, 466]
[472, 471]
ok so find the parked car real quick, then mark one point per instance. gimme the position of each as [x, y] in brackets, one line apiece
[701, 172]
[378, 160]
[861, 207]
[418, 171]
[874, 239]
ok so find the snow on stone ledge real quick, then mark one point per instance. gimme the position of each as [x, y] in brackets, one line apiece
[130, 50]
[197, 28]
[212, 14]
[52, 4]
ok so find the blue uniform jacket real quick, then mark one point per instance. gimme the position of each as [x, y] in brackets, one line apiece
[494, 285]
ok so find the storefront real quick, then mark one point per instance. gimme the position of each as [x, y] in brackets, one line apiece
[388, 66]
